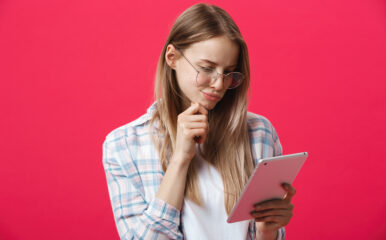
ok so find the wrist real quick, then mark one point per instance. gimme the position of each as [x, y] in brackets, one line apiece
[267, 235]
[179, 161]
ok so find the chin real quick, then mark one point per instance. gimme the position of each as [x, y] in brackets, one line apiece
[208, 105]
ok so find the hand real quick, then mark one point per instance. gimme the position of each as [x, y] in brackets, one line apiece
[274, 214]
[192, 126]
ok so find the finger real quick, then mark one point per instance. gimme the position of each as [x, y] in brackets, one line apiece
[202, 110]
[204, 117]
[291, 191]
[196, 122]
[194, 125]
[272, 218]
[196, 118]
[279, 220]
[192, 109]
[276, 212]
[272, 204]
[197, 132]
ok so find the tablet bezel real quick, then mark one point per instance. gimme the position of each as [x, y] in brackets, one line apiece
[290, 168]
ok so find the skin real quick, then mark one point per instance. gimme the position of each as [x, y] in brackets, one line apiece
[274, 214]
[220, 50]
[193, 121]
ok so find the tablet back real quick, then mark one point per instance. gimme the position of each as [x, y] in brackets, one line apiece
[265, 183]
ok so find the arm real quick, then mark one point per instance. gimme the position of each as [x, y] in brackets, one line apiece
[159, 218]
[135, 218]
[278, 235]
[266, 236]
[172, 187]
[267, 144]
[192, 123]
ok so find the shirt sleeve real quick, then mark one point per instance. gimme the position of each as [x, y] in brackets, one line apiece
[277, 148]
[277, 151]
[275, 145]
[135, 218]
[252, 232]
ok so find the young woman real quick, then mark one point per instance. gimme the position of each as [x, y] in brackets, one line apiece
[177, 171]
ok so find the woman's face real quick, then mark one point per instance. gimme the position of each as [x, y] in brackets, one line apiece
[216, 54]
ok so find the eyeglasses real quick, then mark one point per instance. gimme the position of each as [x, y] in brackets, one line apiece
[210, 75]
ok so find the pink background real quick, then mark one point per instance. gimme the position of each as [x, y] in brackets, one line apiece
[72, 71]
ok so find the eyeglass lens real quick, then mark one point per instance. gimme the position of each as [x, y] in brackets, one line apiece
[231, 80]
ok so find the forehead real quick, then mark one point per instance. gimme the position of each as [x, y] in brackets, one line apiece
[221, 50]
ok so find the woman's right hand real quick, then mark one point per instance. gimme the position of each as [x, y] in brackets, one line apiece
[191, 123]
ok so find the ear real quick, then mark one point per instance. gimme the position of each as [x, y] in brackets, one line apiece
[171, 56]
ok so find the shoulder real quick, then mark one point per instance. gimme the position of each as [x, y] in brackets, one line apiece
[264, 139]
[129, 151]
[133, 132]
[259, 123]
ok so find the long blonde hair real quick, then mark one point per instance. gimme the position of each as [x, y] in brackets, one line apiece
[227, 146]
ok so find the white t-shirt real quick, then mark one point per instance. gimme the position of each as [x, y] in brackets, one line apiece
[209, 220]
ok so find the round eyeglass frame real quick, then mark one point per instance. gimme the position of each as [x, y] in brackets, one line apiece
[212, 80]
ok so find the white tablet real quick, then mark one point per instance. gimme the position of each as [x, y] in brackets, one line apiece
[265, 183]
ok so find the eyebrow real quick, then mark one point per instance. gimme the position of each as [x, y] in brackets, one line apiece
[206, 60]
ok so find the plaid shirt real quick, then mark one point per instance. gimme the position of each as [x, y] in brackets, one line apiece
[134, 174]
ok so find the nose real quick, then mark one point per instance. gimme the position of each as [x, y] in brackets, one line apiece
[218, 82]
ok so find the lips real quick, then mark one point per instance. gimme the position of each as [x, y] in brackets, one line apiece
[211, 96]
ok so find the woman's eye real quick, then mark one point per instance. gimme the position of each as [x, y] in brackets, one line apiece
[206, 69]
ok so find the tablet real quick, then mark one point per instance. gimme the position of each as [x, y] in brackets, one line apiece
[265, 183]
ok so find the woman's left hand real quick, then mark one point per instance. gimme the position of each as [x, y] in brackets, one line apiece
[274, 214]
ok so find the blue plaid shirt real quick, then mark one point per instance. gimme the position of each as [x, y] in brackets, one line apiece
[134, 174]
